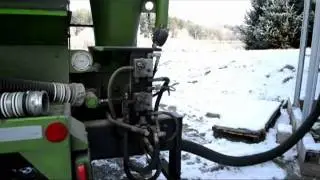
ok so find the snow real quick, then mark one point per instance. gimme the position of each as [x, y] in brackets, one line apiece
[297, 114]
[309, 143]
[232, 83]
[284, 128]
[221, 78]
[249, 114]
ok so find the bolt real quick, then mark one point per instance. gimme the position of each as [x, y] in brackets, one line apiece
[140, 65]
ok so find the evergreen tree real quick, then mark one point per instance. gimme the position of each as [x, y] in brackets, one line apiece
[247, 31]
[279, 24]
[299, 7]
[272, 24]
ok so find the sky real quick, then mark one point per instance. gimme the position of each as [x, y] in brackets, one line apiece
[204, 12]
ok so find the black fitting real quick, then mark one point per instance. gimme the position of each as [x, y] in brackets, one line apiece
[160, 36]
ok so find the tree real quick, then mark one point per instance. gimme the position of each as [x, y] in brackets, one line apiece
[146, 24]
[271, 24]
[175, 24]
[280, 24]
[147, 21]
[298, 6]
[251, 20]
[81, 16]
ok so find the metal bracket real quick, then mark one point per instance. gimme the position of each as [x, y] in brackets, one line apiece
[143, 101]
[143, 68]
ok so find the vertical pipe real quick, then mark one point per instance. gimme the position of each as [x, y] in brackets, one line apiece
[175, 154]
[303, 44]
[115, 21]
[162, 13]
[313, 65]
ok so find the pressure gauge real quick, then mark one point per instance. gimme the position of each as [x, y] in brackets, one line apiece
[149, 5]
[81, 61]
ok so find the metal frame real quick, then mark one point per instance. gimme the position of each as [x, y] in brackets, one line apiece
[303, 44]
[314, 60]
[105, 142]
[307, 167]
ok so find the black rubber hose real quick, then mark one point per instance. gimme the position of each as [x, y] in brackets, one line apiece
[175, 133]
[154, 157]
[16, 85]
[155, 69]
[162, 90]
[248, 160]
[127, 167]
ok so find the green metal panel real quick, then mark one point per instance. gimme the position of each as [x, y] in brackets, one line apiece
[52, 159]
[115, 21]
[34, 27]
[32, 145]
[28, 12]
[45, 63]
[54, 164]
[78, 131]
[35, 4]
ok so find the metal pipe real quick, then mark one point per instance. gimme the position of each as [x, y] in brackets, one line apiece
[303, 44]
[110, 84]
[162, 13]
[129, 127]
[115, 21]
[313, 65]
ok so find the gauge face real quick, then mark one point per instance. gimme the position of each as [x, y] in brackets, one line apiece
[81, 61]
[149, 5]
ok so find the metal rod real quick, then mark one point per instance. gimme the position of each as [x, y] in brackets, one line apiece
[81, 25]
[313, 65]
[303, 45]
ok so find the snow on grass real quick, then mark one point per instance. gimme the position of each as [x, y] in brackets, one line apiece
[217, 83]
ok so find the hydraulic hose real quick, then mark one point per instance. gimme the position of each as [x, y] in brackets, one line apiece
[110, 84]
[175, 133]
[248, 160]
[19, 85]
[127, 167]
[162, 90]
[57, 92]
[154, 157]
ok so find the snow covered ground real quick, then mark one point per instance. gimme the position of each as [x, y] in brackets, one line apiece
[209, 82]
[212, 76]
